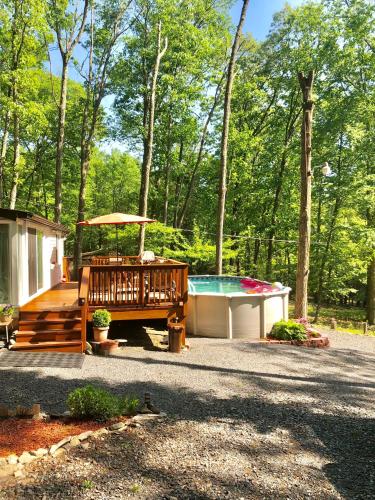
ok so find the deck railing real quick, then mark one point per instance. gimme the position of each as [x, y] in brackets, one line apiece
[158, 284]
[83, 294]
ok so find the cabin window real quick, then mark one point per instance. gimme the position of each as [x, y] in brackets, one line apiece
[4, 263]
[35, 247]
[40, 259]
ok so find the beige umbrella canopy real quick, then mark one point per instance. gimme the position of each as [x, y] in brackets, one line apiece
[117, 219]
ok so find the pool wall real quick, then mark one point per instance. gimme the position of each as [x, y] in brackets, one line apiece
[235, 315]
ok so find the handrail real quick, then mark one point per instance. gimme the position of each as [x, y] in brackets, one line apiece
[83, 293]
[84, 285]
[134, 261]
[137, 267]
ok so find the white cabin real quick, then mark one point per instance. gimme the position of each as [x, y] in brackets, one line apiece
[31, 255]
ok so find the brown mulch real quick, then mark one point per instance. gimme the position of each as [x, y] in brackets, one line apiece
[19, 434]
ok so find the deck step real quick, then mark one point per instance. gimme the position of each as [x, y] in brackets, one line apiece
[49, 324]
[48, 335]
[49, 314]
[57, 346]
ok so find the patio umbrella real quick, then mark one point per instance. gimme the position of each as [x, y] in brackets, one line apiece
[117, 219]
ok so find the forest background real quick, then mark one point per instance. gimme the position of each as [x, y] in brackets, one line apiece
[73, 147]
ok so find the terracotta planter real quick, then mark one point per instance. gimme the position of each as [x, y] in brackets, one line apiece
[4, 318]
[108, 347]
[100, 333]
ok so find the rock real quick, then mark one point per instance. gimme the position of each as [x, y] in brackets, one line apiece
[12, 459]
[85, 446]
[134, 424]
[7, 470]
[26, 458]
[118, 426]
[100, 432]
[148, 416]
[40, 452]
[3, 461]
[85, 435]
[74, 441]
[58, 445]
[19, 474]
[59, 451]
[88, 349]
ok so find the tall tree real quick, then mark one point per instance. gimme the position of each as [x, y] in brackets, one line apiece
[303, 262]
[147, 158]
[224, 140]
[105, 31]
[69, 24]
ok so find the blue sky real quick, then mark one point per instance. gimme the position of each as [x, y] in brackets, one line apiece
[259, 15]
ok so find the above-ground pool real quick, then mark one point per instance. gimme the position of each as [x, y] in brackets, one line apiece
[233, 307]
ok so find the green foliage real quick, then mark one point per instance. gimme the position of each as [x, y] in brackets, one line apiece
[101, 318]
[288, 330]
[93, 403]
[333, 37]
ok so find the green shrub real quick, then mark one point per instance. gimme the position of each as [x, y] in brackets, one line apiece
[129, 405]
[93, 403]
[288, 330]
[101, 318]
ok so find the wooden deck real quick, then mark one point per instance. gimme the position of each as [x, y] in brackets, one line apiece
[62, 297]
[57, 319]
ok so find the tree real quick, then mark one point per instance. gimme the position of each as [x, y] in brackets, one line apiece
[303, 262]
[104, 35]
[224, 141]
[147, 158]
[69, 25]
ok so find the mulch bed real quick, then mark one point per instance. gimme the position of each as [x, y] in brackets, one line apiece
[20, 434]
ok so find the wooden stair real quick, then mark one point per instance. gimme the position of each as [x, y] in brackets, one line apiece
[49, 330]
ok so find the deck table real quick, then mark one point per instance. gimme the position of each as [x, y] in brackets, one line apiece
[6, 324]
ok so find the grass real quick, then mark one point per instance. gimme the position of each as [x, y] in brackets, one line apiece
[349, 319]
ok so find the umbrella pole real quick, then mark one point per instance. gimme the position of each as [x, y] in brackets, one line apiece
[117, 240]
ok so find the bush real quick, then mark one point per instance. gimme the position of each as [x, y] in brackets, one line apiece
[288, 330]
[101, 318]
[93, 403]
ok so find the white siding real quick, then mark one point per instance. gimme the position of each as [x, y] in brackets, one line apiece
[52, 260]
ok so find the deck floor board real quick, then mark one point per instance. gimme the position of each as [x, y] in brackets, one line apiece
[62, 297]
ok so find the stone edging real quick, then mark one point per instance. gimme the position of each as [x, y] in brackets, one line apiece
[322, 341]
[13, 465]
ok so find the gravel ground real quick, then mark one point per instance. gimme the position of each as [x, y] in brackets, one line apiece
[244, 420]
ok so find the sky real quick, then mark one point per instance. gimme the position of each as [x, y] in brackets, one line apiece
[259, 15]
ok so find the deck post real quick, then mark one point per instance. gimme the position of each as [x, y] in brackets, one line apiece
[142, 295]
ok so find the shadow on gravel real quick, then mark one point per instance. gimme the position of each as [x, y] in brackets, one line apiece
[313, 421]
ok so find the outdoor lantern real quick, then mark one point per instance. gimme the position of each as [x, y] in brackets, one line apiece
[326, 169]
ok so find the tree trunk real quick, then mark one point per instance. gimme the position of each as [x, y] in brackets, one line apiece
[324, 257]
[371, 292]
[202, 143]
[289, 131]
[146, 166]
[3, 153]
[60, 138]
[371, 268]
[167, 173]
[16, 161]
[303, 258]
[224, 142]
[16, 150]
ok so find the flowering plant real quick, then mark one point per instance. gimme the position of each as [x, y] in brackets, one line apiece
[7, 310]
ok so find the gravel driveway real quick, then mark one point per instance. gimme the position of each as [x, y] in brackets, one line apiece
[244, 420]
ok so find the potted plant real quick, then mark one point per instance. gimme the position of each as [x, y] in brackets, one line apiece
[6, 313]
[101, 319]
